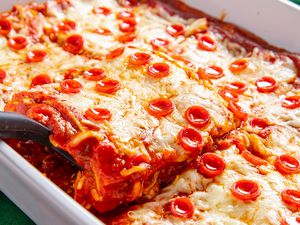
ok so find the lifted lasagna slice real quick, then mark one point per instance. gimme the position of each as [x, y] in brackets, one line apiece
[132, 122]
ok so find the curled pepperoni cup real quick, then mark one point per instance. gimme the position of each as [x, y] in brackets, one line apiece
[41, 113]
[3, 75]
[246, 190]
[158, 70]
[214, 72]
[74, 44]
[239, 65]
[211, 165]
[108, 86]
[159, 42]
[70, 73]
[115, 53]
[103, 31]
[286, 164]
[66, 25]
[182, 207]
[190, 139]
[259, 123]
[266, 84]
[125, 38]
[125, 15]
[236, 87]
[102, 10]
[206, 43]
[36, 56]
[229, 95]
[98, 114]
[5, 27]
[17, 43]
[128, 3]
[40, 79]
[94, 74]
[253, 159]
[291, 198]
[197, 116]
[160, 107]
[128, 25]
[291, 102]
[70, 86]
[237, 110]
[139, 58]
[175, 30]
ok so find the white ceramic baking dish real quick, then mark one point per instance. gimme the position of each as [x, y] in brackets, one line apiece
[44, 202]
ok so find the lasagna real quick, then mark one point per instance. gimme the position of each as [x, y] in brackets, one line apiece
[174, 116]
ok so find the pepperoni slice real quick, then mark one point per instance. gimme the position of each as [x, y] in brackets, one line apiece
[229, 95]
[5, 27]
[158, 70]
[182, 207]
[159, 42]
[239, 65]
[253, 159]
[94, 74]
[291, 102]
[74, 44]
[190, 139]
[128, 3]
[175, 30]
[259, 123]
[140, 58]
[245, 190]
[287, 164]
[17, 43]
[115, 53]
[266, 84]
[40, 79]
[2, 75]
[70, 86]
[236, 87]
[206, 43]
[98, 114]
[161, 107]
[125, 38]
[36, 56]
[102, 10]
[70, 73]
[214, 72]
[128, 25]
[197, 116]
[237, 110]
[211, 165]
[108, 86]
[291, 198]
[124, 15]
[103, 31]
[66, 25]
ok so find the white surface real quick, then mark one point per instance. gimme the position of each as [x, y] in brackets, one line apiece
[276, 21]
[45, 203]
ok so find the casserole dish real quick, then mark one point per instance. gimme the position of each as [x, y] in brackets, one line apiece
[41, 220]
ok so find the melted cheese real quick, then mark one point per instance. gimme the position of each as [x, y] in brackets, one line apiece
[213, 201]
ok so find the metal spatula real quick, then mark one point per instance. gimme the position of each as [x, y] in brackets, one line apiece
[16, 126]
